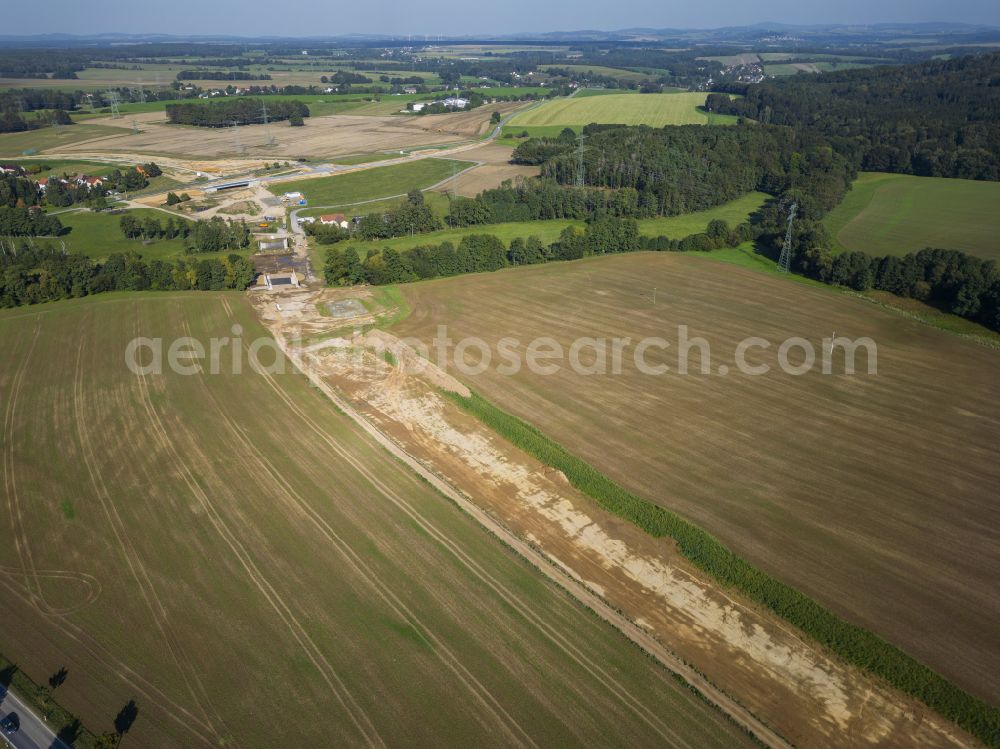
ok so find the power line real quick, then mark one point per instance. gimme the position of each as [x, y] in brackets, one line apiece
[113, 99]
[267, 129]
[785, 260]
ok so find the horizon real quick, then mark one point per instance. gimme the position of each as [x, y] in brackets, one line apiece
[385, 18]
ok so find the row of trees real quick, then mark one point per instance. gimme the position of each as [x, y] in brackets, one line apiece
[939, 118]
[239, 110]
[535, 200]
[950, 280]
[214, 235]
[221, 75]
[413, 217]
[478, 253]
[33, 274]
[342, 76]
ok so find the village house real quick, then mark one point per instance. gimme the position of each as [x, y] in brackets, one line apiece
[335, 219]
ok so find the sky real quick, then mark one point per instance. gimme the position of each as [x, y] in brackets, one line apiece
[447, 17]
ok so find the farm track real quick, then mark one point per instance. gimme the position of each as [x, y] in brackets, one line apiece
[480, 573]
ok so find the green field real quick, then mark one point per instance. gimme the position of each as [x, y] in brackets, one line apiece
[893, 214]
[368, 184]
[98, 235]
[655, 110]
[437, 201]
[18, 144]
[363, 158]
[60, 166]
[674, 227]
[238, 557]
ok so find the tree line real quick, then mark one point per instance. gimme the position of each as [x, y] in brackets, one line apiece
[220, 75]
[951, 280]
[34, 273]
[413, 217]
[214, 235]
[238, 111]
[939, 118]
[477, 253]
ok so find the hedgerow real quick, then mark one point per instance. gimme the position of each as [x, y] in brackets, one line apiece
[853, 644]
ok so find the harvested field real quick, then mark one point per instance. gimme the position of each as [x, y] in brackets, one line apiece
[875, 495]
[807, 697]
[49, 138]
[495, 169]
[322, 137]
[237, 548]
[473, 123]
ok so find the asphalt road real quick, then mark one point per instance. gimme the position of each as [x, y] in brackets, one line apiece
[34, 734]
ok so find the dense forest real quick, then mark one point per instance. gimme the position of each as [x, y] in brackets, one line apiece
[238, 111]
[676, 170]
[939, 118]
[634, 172]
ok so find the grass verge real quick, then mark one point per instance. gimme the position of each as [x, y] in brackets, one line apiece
[63, 723]
[854, 644]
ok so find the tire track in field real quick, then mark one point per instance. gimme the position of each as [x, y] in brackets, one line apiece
[726, 704]
[31, 582]
[356, 713]
[136, 682]
[578, 656]
[91, 583]
[136, 567]
[296, 502]
[31, 575]
[552, 634]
